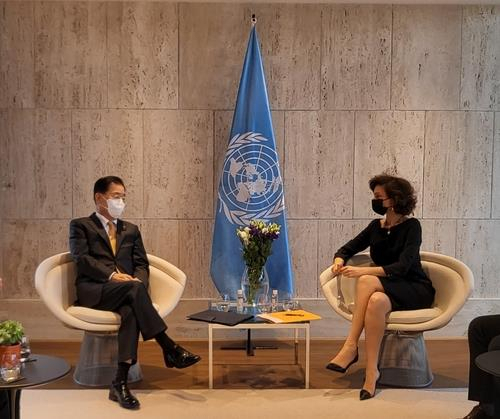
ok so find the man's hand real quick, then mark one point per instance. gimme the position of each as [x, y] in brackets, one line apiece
[121, 277]
[353, 271]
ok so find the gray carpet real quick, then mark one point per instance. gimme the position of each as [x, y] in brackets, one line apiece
[251, 404]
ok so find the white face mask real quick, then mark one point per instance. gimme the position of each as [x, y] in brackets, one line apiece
[115, 207]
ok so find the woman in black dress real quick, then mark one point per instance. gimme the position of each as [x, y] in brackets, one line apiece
[396, 282]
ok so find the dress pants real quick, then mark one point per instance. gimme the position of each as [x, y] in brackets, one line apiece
[131, 300]
[484, 336]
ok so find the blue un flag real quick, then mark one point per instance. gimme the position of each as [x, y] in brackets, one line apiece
[251, 187]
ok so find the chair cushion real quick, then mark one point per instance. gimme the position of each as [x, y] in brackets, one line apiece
[91, 315]
[409, 316]
[414, 316]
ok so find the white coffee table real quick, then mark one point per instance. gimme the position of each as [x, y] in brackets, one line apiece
[251, 325]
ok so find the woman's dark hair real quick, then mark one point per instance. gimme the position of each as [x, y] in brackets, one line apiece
[102, 185]
[399, 190]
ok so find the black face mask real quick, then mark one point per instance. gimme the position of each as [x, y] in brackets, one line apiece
[378, 206]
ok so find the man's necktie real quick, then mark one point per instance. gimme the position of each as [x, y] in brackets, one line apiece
[112, 235]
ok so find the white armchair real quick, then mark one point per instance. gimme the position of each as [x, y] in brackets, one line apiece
[55, 283]
[403, 357]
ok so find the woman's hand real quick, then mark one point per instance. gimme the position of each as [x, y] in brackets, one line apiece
[338, 263]
[353, 271]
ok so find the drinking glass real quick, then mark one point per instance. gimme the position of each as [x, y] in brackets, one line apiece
[10, 367]
[223, 303]
[288, 301]
[263, 303]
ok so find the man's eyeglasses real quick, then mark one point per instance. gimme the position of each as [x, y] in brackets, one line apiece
[117, 196]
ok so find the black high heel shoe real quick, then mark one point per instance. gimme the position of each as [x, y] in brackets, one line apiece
[365, 394]
[335, 367]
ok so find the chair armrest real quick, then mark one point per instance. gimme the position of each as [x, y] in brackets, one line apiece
[166, 284]
[494, 344]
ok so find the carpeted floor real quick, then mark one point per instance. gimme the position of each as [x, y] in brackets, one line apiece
[251, 404]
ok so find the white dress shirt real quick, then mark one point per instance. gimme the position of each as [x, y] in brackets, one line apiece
[105, 221]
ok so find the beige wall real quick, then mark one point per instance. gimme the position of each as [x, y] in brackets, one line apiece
[146, 91]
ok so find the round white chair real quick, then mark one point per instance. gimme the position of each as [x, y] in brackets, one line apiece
[55, 283]
[403, 358]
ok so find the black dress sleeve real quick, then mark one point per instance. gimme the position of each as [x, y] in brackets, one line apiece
[357, 244]
[410, 251]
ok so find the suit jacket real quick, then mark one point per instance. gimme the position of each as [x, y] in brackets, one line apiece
[91, 250]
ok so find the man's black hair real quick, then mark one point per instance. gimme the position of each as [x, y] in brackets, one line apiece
[102, 184]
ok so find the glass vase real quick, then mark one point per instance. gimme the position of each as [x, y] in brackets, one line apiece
[255, 286]
[10, 366]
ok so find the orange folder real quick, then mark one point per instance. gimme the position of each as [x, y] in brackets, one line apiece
[290, 316]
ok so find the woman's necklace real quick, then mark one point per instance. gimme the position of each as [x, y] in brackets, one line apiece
[388, 227]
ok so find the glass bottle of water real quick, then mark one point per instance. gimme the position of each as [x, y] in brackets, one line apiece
[274, 300]
[239, 302]
[25, 348]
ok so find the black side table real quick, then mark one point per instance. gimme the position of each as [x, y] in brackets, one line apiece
[42, 370]
[490, 362]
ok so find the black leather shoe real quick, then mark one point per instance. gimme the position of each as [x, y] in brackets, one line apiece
[119, 392]
[478, 413]
[335, 367]
[180, 358]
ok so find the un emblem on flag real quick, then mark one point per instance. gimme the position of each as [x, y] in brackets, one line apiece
[251, 185]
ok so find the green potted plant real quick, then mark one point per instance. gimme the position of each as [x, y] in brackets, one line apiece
[11, 334]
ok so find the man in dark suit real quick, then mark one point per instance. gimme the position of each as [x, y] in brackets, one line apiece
[484, 336]
[113, 274]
